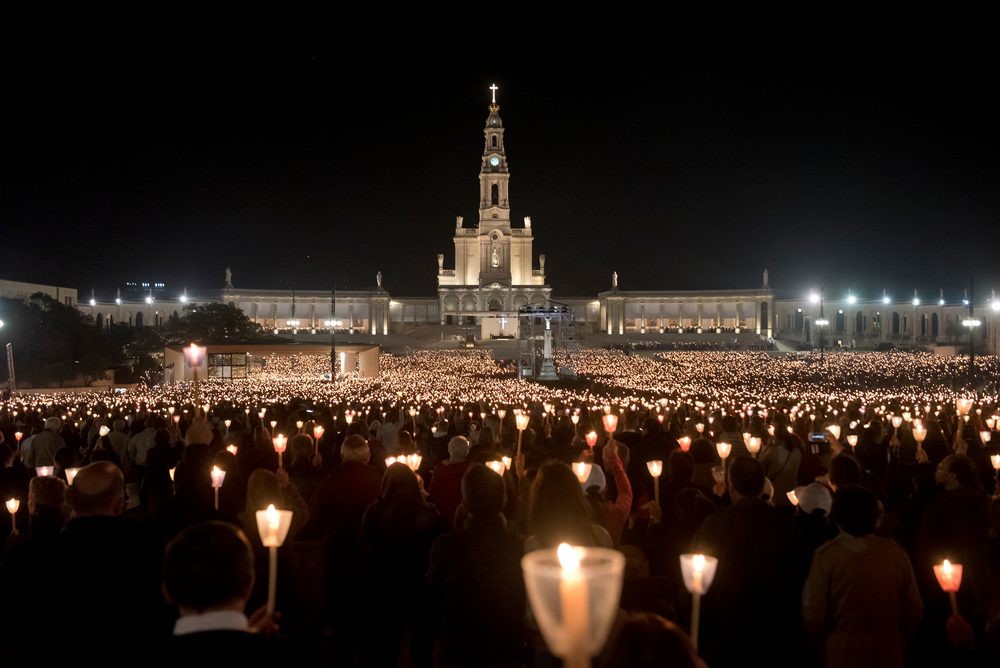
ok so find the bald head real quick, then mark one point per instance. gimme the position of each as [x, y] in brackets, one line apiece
[97, 490]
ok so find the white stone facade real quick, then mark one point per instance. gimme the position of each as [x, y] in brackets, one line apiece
[494, 266]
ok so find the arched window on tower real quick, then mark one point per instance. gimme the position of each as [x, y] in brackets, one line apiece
[495, 195]
[494, 141]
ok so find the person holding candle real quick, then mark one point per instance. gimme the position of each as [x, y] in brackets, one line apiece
[140, 444]
[762, 563]
[46, 517]
[96, 533]
[474, 580]
[955, 526]
[558, 512]
[860, 602]
[388, 431]
[397, 533]
[303, 470]
[208, 574]
[45, 445]
[446, 484]
[335, 514]
[264, 489]
[156, 481]
[614, 512]
[781, 460]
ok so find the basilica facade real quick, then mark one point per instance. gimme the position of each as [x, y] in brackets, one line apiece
[494, 262]
[495, 273]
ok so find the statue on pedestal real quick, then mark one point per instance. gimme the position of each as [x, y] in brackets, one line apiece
[614, 279]
[378, 278]
[229, 278]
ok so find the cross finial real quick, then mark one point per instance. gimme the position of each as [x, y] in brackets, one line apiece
[494, 89]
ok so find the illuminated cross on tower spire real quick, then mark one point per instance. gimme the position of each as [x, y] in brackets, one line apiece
[494, 89]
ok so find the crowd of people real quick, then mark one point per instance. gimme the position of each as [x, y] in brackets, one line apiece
[414, 498]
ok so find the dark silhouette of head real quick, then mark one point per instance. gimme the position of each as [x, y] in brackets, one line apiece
[483, 492]
[855, 510]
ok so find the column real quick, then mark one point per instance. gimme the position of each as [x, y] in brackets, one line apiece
[642, 316]
[739, 312]
[701, 309]
[680, 312]
[718, 310]
[350, 316]
[661, 318]
[441, 306]
[756, 313]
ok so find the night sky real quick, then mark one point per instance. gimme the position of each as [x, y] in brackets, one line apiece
[690, 161]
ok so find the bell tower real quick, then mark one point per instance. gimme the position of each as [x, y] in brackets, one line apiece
[494, 207]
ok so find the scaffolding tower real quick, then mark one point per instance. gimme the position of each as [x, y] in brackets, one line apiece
[533, 322]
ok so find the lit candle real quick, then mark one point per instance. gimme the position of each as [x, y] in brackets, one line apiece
[44, 470]
[522, 424]
[610, 424]
[273, 525]
[172, 473]
[949, 576]
[582, 470]
[574, 605]
[698, 571]
[280, 442]
[496, 466]
[753, 446]
[70, 474]
[835, 430]
[232, 448]
[685, 442]
[12, 506]
[318, 432]
[218, 476]
[655, 469]
[506, 462]
[724, 450]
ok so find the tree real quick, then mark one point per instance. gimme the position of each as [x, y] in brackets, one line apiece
[54, 343]
[954, 330]
[212, 323]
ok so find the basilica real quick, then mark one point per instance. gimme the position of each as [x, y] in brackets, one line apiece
[496, 276]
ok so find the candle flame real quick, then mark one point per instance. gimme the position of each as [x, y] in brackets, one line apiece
[698, 562]
[947, 567]
[568, 559]
[272, 516]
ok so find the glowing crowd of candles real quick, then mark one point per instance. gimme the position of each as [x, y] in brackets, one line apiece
[739, 384]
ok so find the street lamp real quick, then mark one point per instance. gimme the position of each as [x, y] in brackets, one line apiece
[971, 322]
[822, 322]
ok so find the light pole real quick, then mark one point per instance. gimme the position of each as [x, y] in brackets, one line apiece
[822, 322]
[971, 322]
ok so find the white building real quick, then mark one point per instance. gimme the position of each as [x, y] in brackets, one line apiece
[494, 265]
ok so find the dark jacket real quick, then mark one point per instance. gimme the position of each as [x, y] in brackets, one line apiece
[476, 593]
[763, 563]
